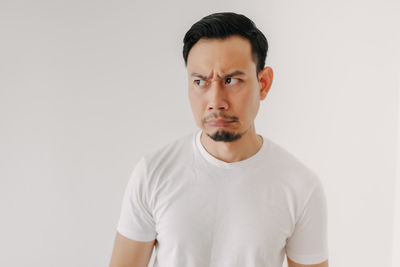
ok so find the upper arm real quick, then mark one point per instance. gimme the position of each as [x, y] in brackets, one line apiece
[131, 253]
[136, 220]
[308, 244]
[294, 264]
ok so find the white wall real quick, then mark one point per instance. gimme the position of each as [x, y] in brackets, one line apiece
[396, 225]
[87, 87]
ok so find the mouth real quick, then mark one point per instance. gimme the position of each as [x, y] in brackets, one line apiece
[219, 123]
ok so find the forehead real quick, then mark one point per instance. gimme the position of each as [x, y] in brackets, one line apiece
[221, 56]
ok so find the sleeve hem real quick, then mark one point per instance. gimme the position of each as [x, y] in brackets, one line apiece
[308, 258]
[137, 236]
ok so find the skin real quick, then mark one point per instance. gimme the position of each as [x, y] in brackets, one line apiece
[213, 96]
[131, 253]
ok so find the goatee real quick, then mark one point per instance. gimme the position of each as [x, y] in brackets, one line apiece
[224, 136]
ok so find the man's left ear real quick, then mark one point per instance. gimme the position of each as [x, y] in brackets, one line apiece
[265, 77]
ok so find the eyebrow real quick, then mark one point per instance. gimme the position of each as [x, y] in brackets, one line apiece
[235, 73]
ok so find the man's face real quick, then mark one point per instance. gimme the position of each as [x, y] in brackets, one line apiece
[223, 85]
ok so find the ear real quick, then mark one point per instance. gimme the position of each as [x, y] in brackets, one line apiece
[265, 77]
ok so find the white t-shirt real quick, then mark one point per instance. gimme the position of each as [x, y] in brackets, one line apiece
[205, 212]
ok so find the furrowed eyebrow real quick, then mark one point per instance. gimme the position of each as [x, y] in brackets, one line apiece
[235, 73]
[195, 74]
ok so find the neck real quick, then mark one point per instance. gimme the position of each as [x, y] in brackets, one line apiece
[245, 147]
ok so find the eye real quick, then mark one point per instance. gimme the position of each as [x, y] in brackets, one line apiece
[231, 81]
[199, 82]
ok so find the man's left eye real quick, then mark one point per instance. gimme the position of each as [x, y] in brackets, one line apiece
[231, 80]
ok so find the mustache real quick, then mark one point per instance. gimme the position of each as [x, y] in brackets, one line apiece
[220, 115]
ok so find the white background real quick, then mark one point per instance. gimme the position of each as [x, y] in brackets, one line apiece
[88, 87]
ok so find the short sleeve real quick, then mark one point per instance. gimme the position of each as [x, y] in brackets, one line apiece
[308, 243]
[136, 220]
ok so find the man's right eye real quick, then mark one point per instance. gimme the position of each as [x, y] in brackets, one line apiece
[199, 82]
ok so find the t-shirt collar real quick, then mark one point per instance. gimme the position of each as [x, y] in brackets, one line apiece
[229, 165]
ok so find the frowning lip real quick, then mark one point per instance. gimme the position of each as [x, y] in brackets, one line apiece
[219, 122]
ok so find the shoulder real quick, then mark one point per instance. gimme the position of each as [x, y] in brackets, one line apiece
[291, 170]
[177, 151]
[298, 181]
[157, 163]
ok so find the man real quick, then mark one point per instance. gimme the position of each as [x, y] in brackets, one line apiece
[223, 196]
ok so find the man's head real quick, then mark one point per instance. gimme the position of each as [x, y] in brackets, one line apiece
[223, 25]
[225, 55]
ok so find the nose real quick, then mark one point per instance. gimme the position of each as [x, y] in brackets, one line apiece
[217, 100]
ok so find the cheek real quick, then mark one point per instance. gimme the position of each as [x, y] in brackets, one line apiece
[245, 100]
[248, 103]
[196, 105]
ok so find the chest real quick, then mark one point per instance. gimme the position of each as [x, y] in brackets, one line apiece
[215, 212]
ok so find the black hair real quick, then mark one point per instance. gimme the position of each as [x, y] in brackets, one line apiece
[223, 25]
